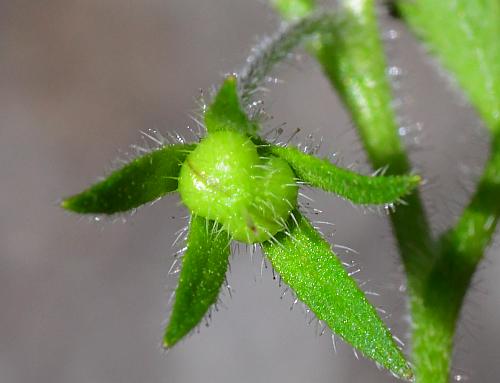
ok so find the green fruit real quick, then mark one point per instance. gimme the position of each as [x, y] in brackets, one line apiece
[225, 180]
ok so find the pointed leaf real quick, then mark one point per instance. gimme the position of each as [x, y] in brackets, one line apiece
[204, 267]
[225, 113]
[307, 264]
[143, 180]
[357, 188]
[464, 34]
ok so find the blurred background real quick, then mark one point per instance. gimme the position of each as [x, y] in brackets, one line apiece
[84, 301]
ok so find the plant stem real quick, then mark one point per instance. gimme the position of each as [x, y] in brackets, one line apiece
[352, 59]
[438, 273]
[461, 249]
[274, 49]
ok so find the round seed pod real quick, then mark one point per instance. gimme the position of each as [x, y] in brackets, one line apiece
[224, 179]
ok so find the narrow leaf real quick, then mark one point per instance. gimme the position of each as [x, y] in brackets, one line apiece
[143, 180]
[464, 34]
[357, 188]
[225, 113]
[307, 264]
[204, 267]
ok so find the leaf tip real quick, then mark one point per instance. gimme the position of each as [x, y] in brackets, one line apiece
[65, 204]
[407, 374]
[415, 180]
[81, 203]
[231, 79]
[169, 340]
[166, 345]
[69, 204]
[401, 368]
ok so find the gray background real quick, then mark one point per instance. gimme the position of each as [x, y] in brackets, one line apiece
[85, 302]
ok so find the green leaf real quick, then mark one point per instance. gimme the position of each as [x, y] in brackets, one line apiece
[204, 267]
[144, 179]
[307, 264]
[225, 113]
[355, 187]
[465, 35]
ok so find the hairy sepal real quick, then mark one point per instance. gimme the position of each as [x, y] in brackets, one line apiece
[143, 180]
[204, 266]
[355, 187]
[307, 264]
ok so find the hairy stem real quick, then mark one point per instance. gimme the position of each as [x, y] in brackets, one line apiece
[276, 48]
[461, 249]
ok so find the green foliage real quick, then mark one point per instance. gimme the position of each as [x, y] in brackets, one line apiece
[464, 35]
[357, 188]
[352, 58]
[143, 180]
[307, 264]
[239, 187]
[204, 266]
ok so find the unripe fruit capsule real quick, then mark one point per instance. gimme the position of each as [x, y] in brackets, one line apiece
[225, 180]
